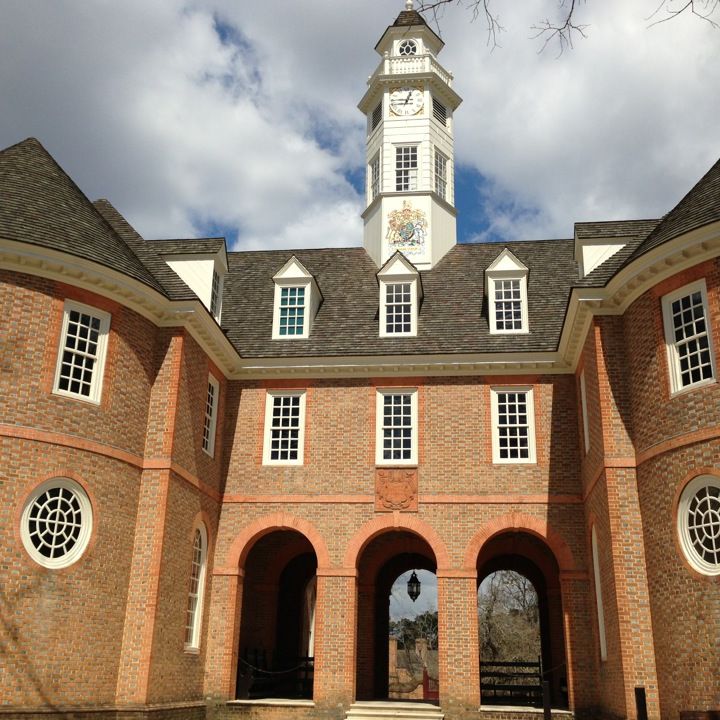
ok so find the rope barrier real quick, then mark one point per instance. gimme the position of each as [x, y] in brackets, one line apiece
[305, 665]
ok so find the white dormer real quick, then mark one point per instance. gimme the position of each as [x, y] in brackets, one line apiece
[506, 287]
[204, 273]
[400, 297]
[297, 299]
[591, 252]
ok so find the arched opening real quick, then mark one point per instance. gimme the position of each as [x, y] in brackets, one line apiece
[277, 625]
[384, 559]
[506, 676]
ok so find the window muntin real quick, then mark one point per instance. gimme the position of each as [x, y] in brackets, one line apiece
[284, 428]
[292, 311]
[407, 47]
[396, 427]
[215, 294]
[441, 163]
[508, 313]
[210, 422]
[398, 308]
[83, 343]
[699, 524]
[687, 336]
[513, 425]
[406, 167]
[196, 592]
[376, 117]
[598, 596]
[374, 172]
[56, 523]
[439, 112]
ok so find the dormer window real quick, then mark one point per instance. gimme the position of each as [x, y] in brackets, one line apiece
[407, 47]
[297, 298]
[507, 295]
[215, 294]
[400, 292]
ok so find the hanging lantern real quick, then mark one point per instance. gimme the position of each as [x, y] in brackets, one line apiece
[414, 587]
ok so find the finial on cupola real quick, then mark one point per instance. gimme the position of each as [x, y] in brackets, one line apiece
[408, 4]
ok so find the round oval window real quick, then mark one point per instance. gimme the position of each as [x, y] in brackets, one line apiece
[699, 524]
[56, 523]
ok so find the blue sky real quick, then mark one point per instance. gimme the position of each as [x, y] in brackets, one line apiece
[203, 117]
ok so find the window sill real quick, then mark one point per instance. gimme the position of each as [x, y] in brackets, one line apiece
[689, 388]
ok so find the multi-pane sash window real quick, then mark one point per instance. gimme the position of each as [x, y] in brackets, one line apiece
[292, 310]
[439, 112]
[513, 425]
[215, 294]
[81, 358]
[508, 305]
[398, 308]
[397, 427]
[284, 422]
[440, 174]
[197, 587]
[209, 426]
[688, 336]
[375, 177]
[406, 164]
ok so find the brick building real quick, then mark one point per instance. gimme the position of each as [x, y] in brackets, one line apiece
[216, 461]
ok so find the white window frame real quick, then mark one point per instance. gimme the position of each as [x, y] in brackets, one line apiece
[399, 280]
[409, 174]
[687, 497]
[598, 595]
[28, 519]
[382, 393]
[671, 345]
[440, 174]
[494, 409]
[374, 177]
[279, 287]
[96, 382]
[492, 281]
[267, 444]
[584, 411]
[216, 288]
[211, 413]
[194, 610]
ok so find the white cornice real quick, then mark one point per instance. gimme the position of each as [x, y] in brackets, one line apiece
[144, 300]
[654, 266]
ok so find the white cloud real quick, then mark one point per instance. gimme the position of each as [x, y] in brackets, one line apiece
[242, 115]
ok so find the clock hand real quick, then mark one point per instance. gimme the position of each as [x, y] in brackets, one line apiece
[407, 99]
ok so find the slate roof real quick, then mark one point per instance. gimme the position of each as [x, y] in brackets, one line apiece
[453, 316]
[198, 246]
[699, 207]
[41, 205]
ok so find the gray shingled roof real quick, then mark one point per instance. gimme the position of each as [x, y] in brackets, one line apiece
[187, 247]
[41, 205]
[453, 316]
[699, 207]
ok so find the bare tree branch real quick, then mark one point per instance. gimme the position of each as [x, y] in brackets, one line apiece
[703, 9]
[563, 32]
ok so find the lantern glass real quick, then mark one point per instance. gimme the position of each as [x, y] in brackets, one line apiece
[413, 587]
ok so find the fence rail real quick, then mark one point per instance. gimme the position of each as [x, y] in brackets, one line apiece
[519, 682]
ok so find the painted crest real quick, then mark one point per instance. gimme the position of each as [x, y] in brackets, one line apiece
[407, 230]
[396, 489]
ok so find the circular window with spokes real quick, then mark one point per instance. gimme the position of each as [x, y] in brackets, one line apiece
[407, 47]
[699, 524]
[56, 523]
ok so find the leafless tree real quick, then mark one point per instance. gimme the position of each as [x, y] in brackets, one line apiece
[563, 29]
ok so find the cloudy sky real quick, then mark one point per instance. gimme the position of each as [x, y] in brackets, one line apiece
[239, 117]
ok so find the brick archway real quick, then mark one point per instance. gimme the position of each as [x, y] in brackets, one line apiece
[520, 522]
[243, 543]
[389, 523]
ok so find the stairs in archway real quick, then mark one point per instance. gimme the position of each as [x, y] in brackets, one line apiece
[393, 710]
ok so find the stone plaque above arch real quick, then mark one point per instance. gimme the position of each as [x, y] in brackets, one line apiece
[396, 490]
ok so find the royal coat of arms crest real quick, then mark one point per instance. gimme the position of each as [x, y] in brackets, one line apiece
[407, 230]
[396, 489]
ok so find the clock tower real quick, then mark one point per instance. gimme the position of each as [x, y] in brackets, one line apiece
[409, 105]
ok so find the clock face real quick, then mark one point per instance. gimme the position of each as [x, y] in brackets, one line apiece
[406, 101]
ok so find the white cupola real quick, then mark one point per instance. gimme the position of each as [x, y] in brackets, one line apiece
[409, 106]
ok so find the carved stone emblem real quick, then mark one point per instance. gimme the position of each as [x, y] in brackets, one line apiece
[396, 490]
